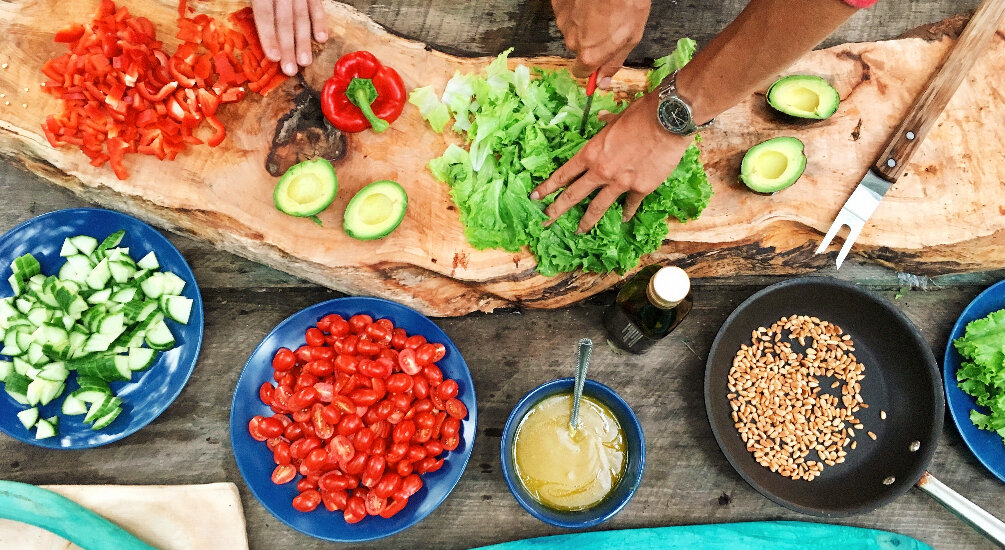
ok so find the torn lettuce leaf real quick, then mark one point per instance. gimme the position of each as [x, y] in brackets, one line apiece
[521, 124]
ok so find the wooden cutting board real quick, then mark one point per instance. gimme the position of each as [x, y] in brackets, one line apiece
[946, 215]
[169, 517]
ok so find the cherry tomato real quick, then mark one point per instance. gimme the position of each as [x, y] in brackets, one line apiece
[396, 452]
[425, 421]
[415, 341]
[363, 397]
[385, 324]
[325, 323]
[344, 404]
[355, 510]
[283, 360]
[281, 453]
[293, 432]
[265, 393]
[304, 354]
[433, 448]
[451, 427]
[320, 368]
[439, 351]
[377, 385]
[307, 501]
[342, 448]
[333, 481]
[363, 440]
[349, 344]
[356, 465]
[424, 355]
[284, 473]
[381, 428]
[375, 504]
[423, 435]
[379, 446]
[285, 378]
[302, 415]
[331, 414]
[398, 338]
[326, 391]
[307, 483]
[322, 428]
[420, 387]
[371, 416]
[416, 453]
[304, 445]
[316, 459]
[408, 362]
[338, 326]
[315, 338]
[346, 363]
[358, 323]
[255, 428]
[447, 389]
[271, 427]
[274, 442]
[303, 398]
[387, 485]
[305, 379]
[384, 409]
[429, 465]
[433, 374]
[376, 369]
[456, 409]
[409, 486]
[350, 424]
[404, 468]
[373, 471]
[367, 348]
[403, 432]
[376, 333]
[451, 442]
[436, 401]
[422, 406]
[401, 401]
[390, 354]
[334, 500]
[441, 417]
[394, 507]
[398, 383]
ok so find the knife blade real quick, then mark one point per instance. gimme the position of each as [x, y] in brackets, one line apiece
[591, 86]
[907, 137]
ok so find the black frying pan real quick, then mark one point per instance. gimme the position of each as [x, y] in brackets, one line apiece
[902, 379]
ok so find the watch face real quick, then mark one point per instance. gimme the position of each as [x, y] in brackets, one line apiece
[675, 115]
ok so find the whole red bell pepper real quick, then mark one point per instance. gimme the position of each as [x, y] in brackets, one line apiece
[362, 94]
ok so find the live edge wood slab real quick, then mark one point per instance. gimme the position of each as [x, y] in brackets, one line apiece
[947, 214]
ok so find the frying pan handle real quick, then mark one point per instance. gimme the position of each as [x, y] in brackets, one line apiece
[978, 518]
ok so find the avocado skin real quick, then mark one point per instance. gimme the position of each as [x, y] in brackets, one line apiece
[321, 168]
[827, 93]
[352, 211]
[792, 148]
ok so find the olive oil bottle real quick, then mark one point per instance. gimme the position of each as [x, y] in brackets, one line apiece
[648, 307]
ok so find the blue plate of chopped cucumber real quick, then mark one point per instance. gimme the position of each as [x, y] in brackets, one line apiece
[101, 324]
[974, 370]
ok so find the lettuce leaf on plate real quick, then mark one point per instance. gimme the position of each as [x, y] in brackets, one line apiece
[520, 126]
[982, 373]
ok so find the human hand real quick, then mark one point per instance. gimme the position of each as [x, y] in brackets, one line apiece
[602, 36]
[284, 27]
[632, 154]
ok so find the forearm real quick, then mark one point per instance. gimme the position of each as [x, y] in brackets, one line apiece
[767, 37]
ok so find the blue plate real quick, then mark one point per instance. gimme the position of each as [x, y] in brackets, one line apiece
[255, 460]
[150, 392]
[987, 446]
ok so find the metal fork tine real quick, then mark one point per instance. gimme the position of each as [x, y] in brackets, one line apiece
[835, 227]
[853, 231]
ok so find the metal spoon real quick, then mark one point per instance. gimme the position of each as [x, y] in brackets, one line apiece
[583, 362]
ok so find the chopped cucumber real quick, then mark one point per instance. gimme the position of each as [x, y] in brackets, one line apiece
[44, 429]
[102, 316]
[28, 417]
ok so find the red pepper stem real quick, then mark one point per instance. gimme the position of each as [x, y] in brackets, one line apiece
[362, 100]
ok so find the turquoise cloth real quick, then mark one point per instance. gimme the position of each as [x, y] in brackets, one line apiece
[767, 535]
[60, 515]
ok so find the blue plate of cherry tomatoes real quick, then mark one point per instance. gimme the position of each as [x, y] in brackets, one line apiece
[335, 467]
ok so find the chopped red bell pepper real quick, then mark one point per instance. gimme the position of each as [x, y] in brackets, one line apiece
[362, 94]
[70, 34]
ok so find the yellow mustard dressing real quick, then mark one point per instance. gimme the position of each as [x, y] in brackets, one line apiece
[565, 470]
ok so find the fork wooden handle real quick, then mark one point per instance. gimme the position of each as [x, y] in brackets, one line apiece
[929, 105]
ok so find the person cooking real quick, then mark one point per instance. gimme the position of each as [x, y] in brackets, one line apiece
[641, 146]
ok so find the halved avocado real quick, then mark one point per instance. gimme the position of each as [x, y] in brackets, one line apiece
[306, 189]
[773, 165]
[803, 96]
[375, 210]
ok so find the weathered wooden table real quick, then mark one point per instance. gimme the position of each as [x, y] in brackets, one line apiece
[687, 480]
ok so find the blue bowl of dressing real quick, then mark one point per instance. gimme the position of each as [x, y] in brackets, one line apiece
[619, 496]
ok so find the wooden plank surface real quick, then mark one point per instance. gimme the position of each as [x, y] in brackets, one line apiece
[224, 196]
[687, 480]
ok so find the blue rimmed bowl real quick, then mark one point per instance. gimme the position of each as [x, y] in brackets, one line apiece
[625, 489]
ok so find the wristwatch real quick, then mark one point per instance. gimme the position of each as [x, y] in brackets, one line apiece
[674, 112]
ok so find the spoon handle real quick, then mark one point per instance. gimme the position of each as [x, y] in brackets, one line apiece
[585, 348]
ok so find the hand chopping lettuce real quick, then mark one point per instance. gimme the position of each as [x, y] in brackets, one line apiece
[982, 373]
[521, 125]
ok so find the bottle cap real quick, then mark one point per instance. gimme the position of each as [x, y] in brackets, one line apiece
[668, 287]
